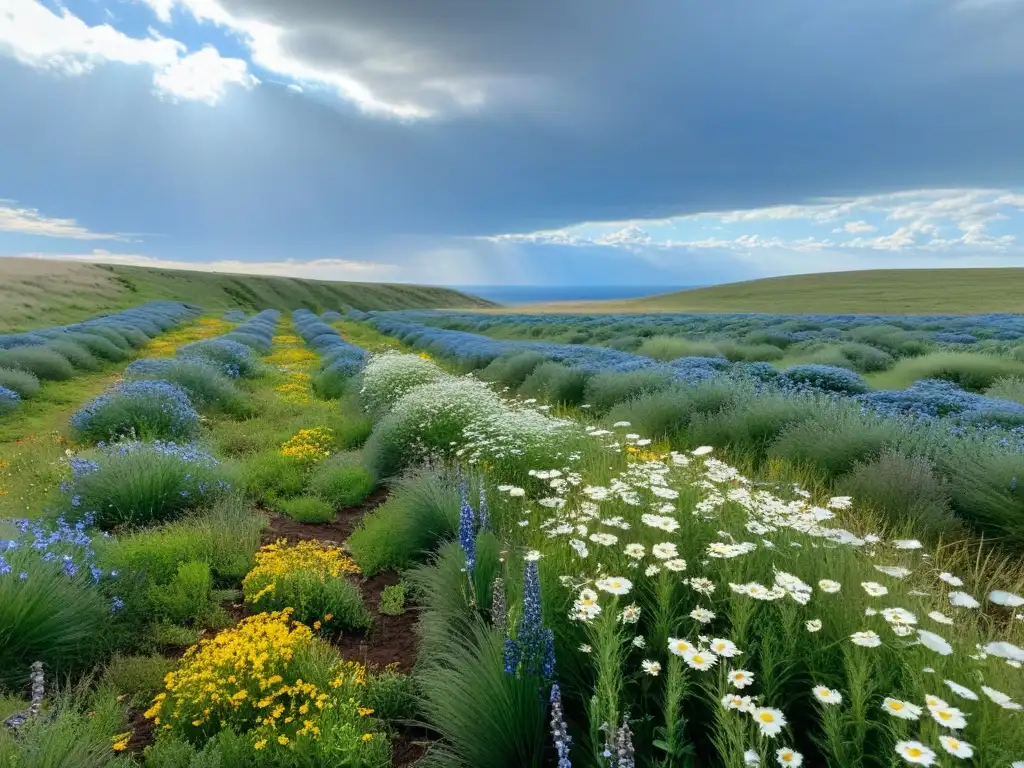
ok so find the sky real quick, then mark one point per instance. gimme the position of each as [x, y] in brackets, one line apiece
[533, 142]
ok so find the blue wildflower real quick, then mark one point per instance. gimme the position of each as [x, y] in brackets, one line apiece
[467, 534]
[559, 730]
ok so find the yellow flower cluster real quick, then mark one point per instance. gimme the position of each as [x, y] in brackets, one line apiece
[121, 741]
[291, 356]
[278, 560]
[309, 444]
[296, 388]
[203, 328]
[248, 678]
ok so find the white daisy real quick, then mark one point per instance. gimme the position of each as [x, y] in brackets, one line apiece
[615, 585]
[963, 600]
[813, 625]
[770, 721]
[950, 717]
[915, 752]
[955, 747]
[741, 678]
[962, 691]
[904, 710]
[679, 646]
[940, 617]
[827, 585]
[787, 756]
[676, 564]
[700, 660]
[874, 589]
[949, 578]
[866, 639]
[652, 668]
[703, 615]
[665, 551]
[826, 695]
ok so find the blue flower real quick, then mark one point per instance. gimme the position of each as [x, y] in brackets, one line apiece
[467, 533]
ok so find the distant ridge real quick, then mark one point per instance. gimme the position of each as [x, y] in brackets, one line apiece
[36, 292]
[879, 291]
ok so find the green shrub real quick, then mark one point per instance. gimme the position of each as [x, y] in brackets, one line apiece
[44, 363]
[148, 409]
[674, 347]
[556, 384]
[422, 511]
[79, 357]
[139, 677]
[99, 346]
[136, 338]
[608, 389]
[753, 423]
[341, 480]
[48, 616]
[986, 488]
[333, 382]
[391, 695]
[142, 483]
[352, 431]
[907, 490]
[867, 359]
[207, 388]
[78, 733]
[835, 439]
[307, 509]
[749, 353]
[22, 382]
[325, 602]
[117, 336]
[971, 371]
[186, 598]
[669, 411]
[512, 370]
[392, 600]
[270, 476]
[1007, 388]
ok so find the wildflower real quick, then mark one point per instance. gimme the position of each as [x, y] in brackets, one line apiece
[787, 756]
[904, 710]
[652, 570]
[1007, 599]
[949, 578]
[874, 589]
[866, 639]
[679, 646]
[950, 717]
[676, 565]
[704, 450]
[750, 758]
[907, 544]
[934, 642]
[915, 752]
[898, 616]
[770, 721]
[615, 586]
[652, 668]
[897, 572]
[963, 600]
[934, 702]
[639, 642]
[665, 551]
[826, 695]
[559, 730]
[1000, 698]
[941, 618]
[813, 625]
[467, 532]
[586, 648]
[630, 614]
[725, 648]
[955, 747]
[741, 678]
[827, 585]
[703, 615]
[700, 660]
[635, 551]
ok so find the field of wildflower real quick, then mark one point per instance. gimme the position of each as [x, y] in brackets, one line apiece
[460, 541]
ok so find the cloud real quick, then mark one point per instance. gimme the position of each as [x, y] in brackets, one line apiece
[317, 269]
[29, 221]
[37, 37]
[856, 228]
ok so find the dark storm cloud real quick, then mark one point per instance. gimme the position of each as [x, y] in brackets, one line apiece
[592, 110]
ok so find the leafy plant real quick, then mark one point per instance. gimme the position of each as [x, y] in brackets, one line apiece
[392, 600]
[307, 509]
[152, 409]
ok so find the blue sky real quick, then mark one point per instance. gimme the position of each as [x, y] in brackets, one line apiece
[546, 142]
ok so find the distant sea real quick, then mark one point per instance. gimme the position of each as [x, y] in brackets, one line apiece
[529, 294]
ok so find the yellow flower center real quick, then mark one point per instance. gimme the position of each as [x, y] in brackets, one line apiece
[897, 705]
[913, 752]
[767, 717]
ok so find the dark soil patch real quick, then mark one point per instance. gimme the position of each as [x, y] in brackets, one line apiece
[390, 638]
[409, 746]
[143, 732]
[334, 532]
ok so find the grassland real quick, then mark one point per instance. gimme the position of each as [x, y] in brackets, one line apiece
[880, 291]
[35, 292]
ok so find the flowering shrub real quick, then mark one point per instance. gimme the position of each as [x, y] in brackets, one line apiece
[50, 607]
[270, 679]
[23, 383]
[138, 483]
[234, 359]
[389, 376]
[208, 389]
[308, 578]
[148, 409]
[824, 378]
[309, 445]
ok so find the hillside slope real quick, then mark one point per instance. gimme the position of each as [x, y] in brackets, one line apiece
[35, 292]
[882, 291]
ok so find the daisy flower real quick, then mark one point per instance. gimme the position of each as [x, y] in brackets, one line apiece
[827, 585]
[963, 600]
[703, 615]
[665, 551]
[770, 721]
[726, 648]
[652, 668]
[679, 646]
[904, 710]
[915, 752]
[941, 618]
[741, 678]
[934, 702]
[700, 660]
[813, 625]
[787, 756]
[960, 690]
[635, 551]
[615, 585]
[955, 747]
[949, 717]
[676, 564]
[949, 578]
[866, 639]
[874, 589]
[826, 695]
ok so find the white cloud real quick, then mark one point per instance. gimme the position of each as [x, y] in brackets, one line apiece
[35, 36]
[856, 228]
[29, 221]
[318, 269]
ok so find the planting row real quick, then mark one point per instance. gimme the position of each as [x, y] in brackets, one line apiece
[59, 353]
[592, 600]
[934, 464]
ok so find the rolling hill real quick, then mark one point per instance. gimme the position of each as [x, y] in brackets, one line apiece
[883, 291]
[36, 292]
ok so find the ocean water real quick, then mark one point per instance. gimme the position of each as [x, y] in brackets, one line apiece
[528, 294]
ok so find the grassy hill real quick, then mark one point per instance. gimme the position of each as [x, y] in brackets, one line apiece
[34, 292]
[882, 291]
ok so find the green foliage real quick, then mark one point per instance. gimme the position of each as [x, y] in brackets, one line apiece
[673, 347]
[332, 383]
[865, 358]
[986, 488]
[145, 484]
[48, 616]
[269, 476]
[44, 363]
[753, 423]
[79, 357]
[1006, 388]
[422, 511]
[341, 480]
[186, 598]
[392, 600]
[22, 382]
[313, 597]
[391, 695]
[971, 371]
[555, 383]
[512, 370]
[78, 733]
[209, 390]
[606, 390]
[749, 352]
[307, 509]
[138, 677]
[99, 346]
[352, 431]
